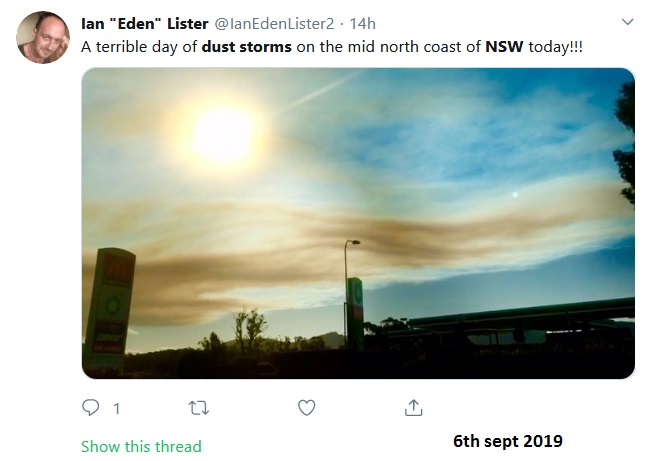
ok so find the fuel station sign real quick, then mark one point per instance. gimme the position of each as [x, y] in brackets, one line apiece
[108, 319]
[355, 314]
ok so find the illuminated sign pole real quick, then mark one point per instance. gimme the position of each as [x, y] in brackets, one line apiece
[355, 315]
[108, 318]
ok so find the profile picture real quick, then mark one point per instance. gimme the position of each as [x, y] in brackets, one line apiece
[42, 37]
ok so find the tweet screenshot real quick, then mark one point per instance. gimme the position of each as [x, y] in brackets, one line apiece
[335, 231]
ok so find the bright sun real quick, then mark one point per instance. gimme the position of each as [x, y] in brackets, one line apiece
[224, 135]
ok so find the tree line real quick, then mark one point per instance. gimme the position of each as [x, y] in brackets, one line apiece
[625, 159]
[249, 326]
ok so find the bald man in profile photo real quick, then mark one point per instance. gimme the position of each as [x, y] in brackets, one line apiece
[49, 40]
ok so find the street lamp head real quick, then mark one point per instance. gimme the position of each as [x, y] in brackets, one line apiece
[355, 242]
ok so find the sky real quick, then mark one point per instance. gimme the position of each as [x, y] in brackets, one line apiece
[469, 190]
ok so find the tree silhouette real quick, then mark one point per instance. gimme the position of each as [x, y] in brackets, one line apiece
[256, 326]
[212, 343]
[249, 327]
[240, 318]
[316, 343]
[377, 336]
[214, 347]
[300, 342]
[625, 160]
[285, 344]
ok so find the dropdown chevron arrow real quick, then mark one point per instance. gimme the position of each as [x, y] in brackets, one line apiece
[628, 22]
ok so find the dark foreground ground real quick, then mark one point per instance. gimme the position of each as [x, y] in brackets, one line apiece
[461, 364]
[574, 360]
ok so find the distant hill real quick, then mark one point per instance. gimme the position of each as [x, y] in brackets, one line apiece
[333, 340]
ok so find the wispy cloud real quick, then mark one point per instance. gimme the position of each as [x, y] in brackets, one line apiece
[299, 249]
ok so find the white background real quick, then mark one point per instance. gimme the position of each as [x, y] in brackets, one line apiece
[40, 183]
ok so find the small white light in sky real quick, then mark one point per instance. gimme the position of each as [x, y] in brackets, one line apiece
[515, 194]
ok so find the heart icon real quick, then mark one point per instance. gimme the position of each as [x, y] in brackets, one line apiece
[306, 406]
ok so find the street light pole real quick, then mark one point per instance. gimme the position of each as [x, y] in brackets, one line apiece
[346, 286]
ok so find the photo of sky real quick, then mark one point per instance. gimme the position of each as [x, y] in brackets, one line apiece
[469, 189]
